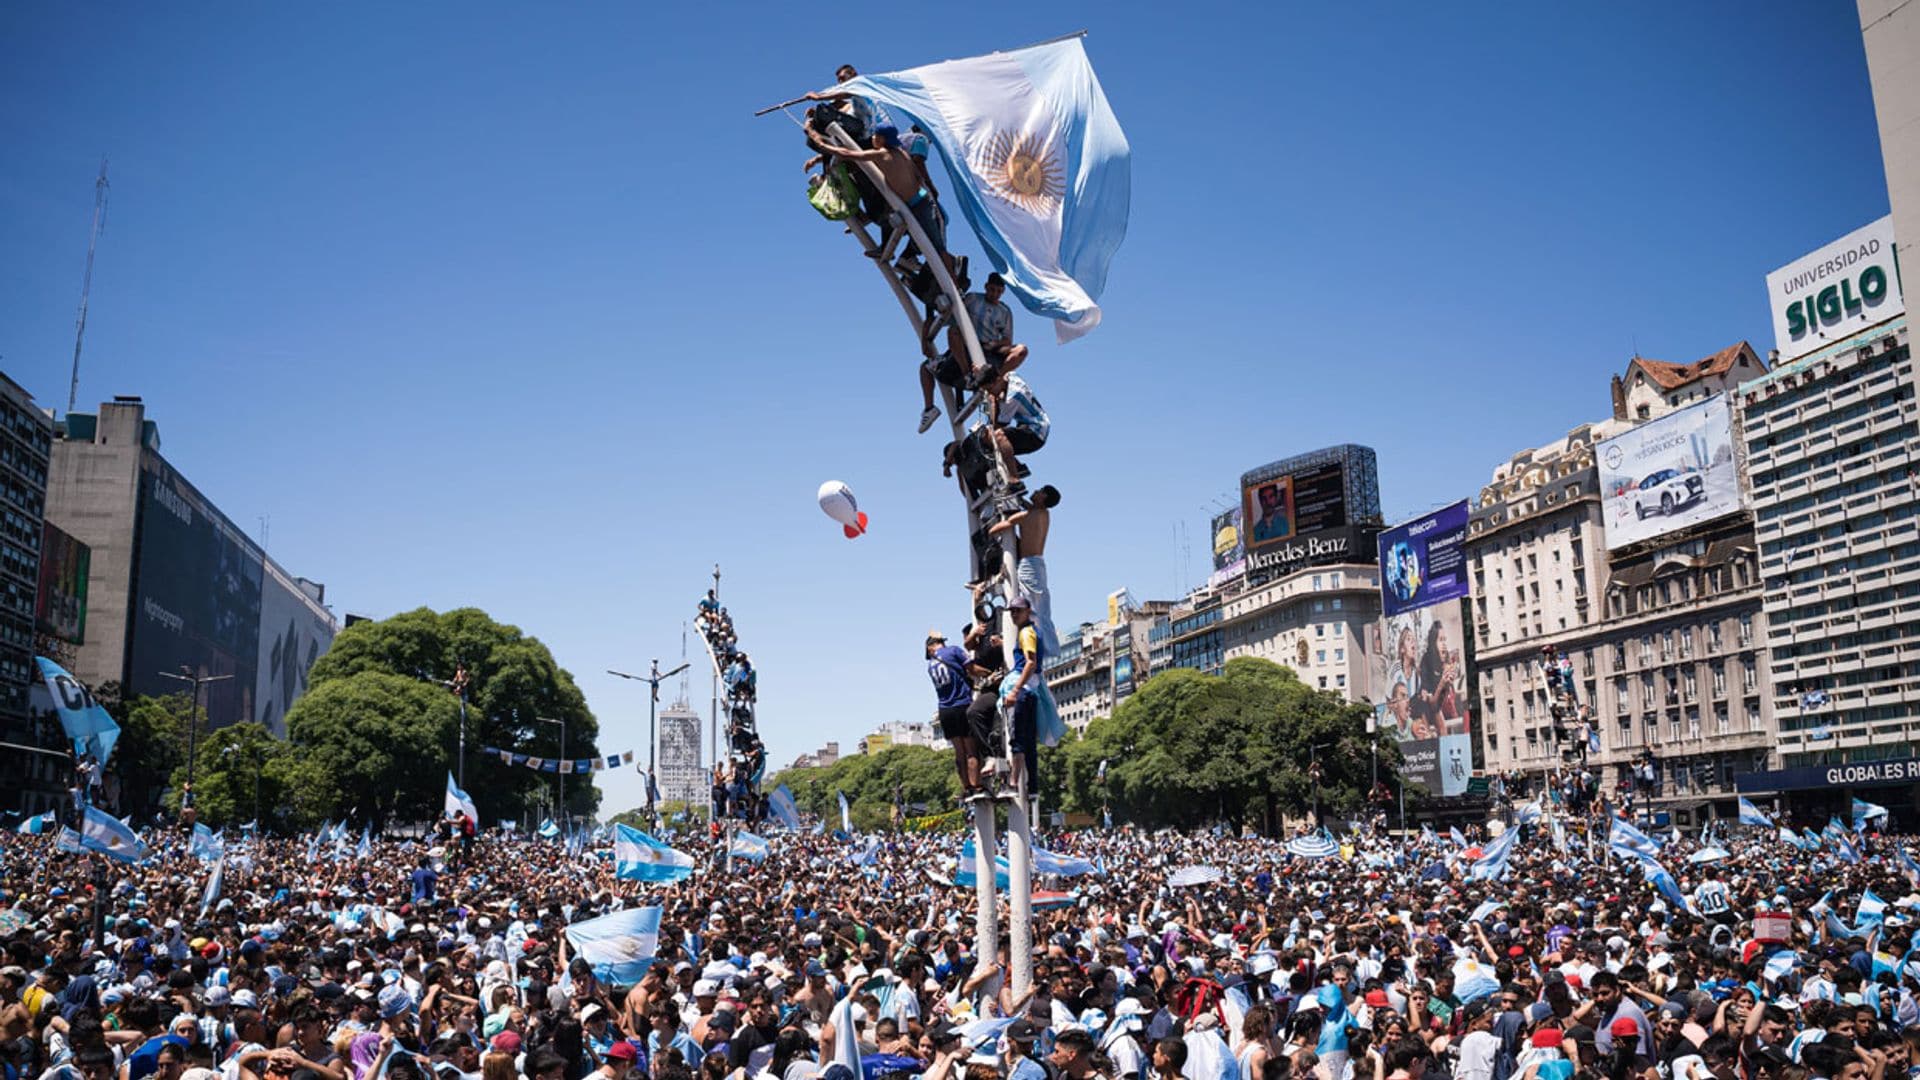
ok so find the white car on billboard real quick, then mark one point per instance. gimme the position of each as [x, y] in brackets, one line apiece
[1665, 491]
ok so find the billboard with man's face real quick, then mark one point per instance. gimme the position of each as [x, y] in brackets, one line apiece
[1287, 508]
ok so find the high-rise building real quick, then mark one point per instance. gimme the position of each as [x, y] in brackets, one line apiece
[682, 778]
[1890, 30]
[172, 584]
[26, 438]
[1622, 546]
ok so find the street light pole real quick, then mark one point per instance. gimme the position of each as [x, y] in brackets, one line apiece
[187, 676]
[560, 768]
[653, 679]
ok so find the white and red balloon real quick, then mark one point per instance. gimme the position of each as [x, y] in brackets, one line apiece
[837, 502]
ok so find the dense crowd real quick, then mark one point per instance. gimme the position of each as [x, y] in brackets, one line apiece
[1381, 961]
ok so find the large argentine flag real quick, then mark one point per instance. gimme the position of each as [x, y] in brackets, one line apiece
[620, 946]
[1040, 166]
[639, 857]
[86, 722]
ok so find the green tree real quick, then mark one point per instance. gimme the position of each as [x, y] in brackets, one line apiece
[242, 774]
[512, 682]
[152, 745]
[370, 745]
[1191, 748]
[873, 782]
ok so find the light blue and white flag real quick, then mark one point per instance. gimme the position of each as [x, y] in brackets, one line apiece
[966, 873]
[1864, 811]
[459, 802]
[1907, 865]
[783, 808]
[1492, 863]
[846, 1041]
[548, 830]
[1872, 909]
[1664, 883]
[1486, 908]
[1047, 862]
[1473, 980]
[639, 857]
[1788, 836]
[1527, 813]
[1624, 839]
[365, 847]
[214, 880]
[1039, 164]
[35, 825]
[1779, 965]
[1753, 815]
[85, 720]
[206, 846]
[868, 855]
[620, 946]
[108, 835]
[1454, 834]
[846, 814]
[748, 846]
[1846, 848]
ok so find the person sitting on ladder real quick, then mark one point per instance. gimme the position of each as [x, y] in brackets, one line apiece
[993, 322]
[902, 173]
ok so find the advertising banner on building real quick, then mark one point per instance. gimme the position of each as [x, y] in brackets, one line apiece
[1669, 474]
[1229, 550]
[1420, 689]
[1424, 561]
[294, 631]
[60, 610]
[1287, 508]
[1833, 293]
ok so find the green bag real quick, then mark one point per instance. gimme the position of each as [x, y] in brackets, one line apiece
[834, 196]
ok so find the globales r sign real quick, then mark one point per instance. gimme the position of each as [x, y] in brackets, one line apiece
[1835, 292]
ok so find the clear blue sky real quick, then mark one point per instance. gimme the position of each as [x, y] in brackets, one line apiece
[517, 306]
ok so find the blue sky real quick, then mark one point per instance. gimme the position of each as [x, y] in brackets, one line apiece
[517, 305]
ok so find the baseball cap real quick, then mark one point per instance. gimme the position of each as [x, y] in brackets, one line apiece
[1020, 603]
[1022, 1030]
[1547, 1038]
[1623, 1026]
[507, 1042]
[622, 1050]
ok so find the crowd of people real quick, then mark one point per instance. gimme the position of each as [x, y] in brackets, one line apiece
[1383, 961]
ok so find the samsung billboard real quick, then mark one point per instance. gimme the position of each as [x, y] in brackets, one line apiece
[1669, 474]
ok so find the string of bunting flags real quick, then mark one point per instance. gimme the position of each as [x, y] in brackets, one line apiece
[559, 765]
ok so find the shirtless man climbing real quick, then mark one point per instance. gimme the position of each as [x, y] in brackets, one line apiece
[902, 172]
[1030, 546]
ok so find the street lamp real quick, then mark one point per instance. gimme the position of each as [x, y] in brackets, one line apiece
[560, 766]
[457, 684]
[257, 763]
[186, 675]
[653, 680]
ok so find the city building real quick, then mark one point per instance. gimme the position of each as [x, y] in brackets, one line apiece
[898, 733]
[1832, 450]
[26, 438]
[1890, 29]
[828, 754]
[172, 584]
[681, 776]
[1644, 579]
[1314, 620]
[1099, 665]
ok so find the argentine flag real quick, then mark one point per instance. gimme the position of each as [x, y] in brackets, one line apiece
[1624, 839]
[548, 829]
[108, 835]
[459, 802]
[639, 857]
[1039, 164]
[1046, 862]
[1872, 909]
[748, 846]
[846, 814]
[1864, 811]
[34, 826]
[206, 846]
[966, 874]
[620, 946]
[1492, 863]
[781, 805]
[1753, 815]
[1527, 813]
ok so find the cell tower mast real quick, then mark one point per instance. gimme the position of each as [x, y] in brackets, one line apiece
[100, 189]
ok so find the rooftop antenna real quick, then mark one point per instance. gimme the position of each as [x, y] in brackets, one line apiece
[266, 525]
[100, 189]
[683, 663]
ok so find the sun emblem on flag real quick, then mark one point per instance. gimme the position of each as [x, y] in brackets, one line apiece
[1025, 170]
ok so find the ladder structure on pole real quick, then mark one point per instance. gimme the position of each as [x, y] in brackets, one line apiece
[983, 509]
[742, 746]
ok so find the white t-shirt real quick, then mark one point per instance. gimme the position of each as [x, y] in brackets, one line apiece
[1477, 1052]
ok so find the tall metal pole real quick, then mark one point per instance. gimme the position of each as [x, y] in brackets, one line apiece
[713, 731]
[653, 702]
[185, 675]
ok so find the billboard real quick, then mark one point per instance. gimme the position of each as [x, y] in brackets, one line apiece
[1284, 508]
[1317, 507]
[1420, 692]
[1669, 473]
[1424, 561]
[196, 597]
[294, 631]
[1833, 293]
[1228, 549]
[60, 608]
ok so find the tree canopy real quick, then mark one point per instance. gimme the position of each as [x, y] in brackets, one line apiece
[379, 726]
